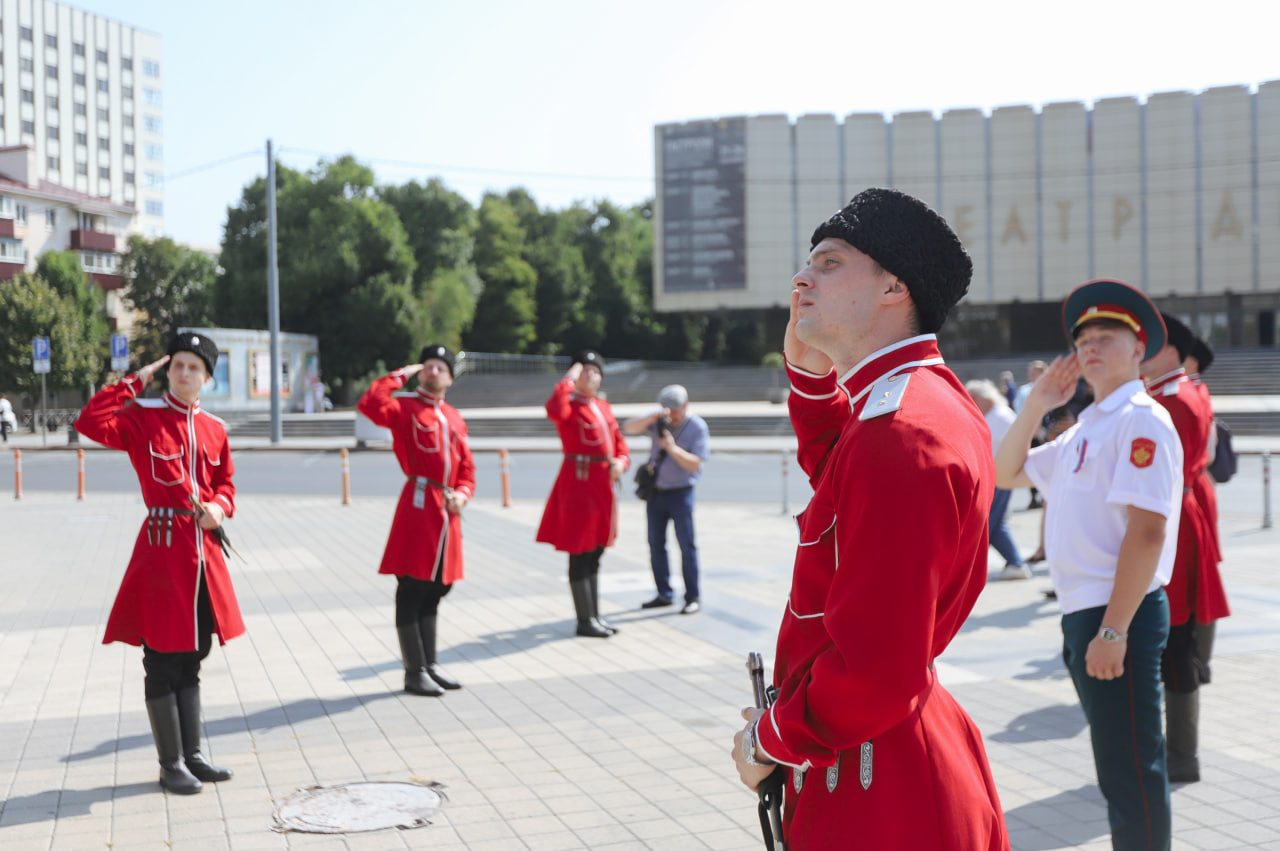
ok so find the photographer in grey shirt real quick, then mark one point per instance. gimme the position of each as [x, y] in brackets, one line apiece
[679, 445]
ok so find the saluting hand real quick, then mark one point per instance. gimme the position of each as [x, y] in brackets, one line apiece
[411, 369]
[146, 373]
[799, 353]
[1058, 384]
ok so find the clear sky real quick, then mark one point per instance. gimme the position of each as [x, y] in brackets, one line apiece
[561, 96]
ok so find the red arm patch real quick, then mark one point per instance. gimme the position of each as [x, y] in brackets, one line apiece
[1142, 452]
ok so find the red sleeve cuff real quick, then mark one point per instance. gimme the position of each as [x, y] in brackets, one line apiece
[811, 386]
[770, 744]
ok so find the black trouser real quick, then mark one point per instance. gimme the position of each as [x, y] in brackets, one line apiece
[419, 598]
[584, 565]
[168, 673]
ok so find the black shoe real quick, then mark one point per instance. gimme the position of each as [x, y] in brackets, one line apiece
[175, 777]
[593, 582]
[591, 628]
[442, 679]
[189, 722]
[419, 683]
[691, 608]
[162, 712]
[658, 603]
[205, 770]
[1183, 768]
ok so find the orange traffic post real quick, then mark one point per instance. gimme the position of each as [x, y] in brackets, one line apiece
[17, 474]
[506, 478]
[79, 474]
[346, 476]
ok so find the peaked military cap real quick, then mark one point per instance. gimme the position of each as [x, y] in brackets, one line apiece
[1119, 302]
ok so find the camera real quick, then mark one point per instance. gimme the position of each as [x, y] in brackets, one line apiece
[664, 426]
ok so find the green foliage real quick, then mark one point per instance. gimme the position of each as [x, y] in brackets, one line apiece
[171, 286]
[31, 307]
[63, 272]
[506, 312]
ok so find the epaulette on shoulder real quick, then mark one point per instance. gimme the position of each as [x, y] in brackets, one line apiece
[885, 396]
[1170, 389]
[150, 402]
[404, 394]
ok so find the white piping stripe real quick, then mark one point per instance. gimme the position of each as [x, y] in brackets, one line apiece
[926, 362]
[805, 766]
[881, 352]
[811, 396]
[799, 616]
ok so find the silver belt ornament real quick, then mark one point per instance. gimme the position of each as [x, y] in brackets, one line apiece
[833, 773]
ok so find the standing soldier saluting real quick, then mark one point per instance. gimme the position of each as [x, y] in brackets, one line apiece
[424, 550]
[176, 592]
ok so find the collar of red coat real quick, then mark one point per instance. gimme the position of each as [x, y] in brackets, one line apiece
[427, 397]
[180, 406]
[1173, 377]
[898, 357]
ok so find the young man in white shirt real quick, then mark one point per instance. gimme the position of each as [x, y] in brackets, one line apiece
[1113, 485]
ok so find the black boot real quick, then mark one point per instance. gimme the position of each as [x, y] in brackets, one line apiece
[427, 628]
[594, 581]
[189, 723]
[416, 680]
[165, 729]
[588, 626]
[1182, 735]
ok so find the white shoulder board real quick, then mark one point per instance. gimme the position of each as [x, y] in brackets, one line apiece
[1171, 389]
[150, 402]
[885, 396]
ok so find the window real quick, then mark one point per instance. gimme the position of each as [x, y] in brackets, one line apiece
[155, 208]
[104, 114]
[152, 97]
[128, 149]
[20, 213]
[102, 85]
[25, 64]
[104, 172]
[96, 261]
[126, 92]
[152, 124]
[104, 144]
[154, 152]
[12, 250]
[126, 64]
[81, 109]
[50, 218]
[50, 40]
[51, 71]
[52, 133]
[82, 168]
[29, 127]
[78, 78]
[51, 101]
[24, 33]
[102, 56]
[52, 162]
[150, 68]
[28, 96]
[82, 138]
[77, 47]
[128, 120]
[128, 177]
[6, 207]
[153, 179]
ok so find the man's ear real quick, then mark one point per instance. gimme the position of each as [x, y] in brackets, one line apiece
[895, 290]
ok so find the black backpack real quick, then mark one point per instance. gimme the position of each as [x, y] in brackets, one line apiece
[1224, 462]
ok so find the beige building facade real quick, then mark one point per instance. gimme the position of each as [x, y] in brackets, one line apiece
[1177, 194]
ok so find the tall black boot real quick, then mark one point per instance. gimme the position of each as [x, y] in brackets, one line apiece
[1182, 735]
[189, 723]
[427, 627]
[416, 680]
[588, 626]
[165, 729]
[594, 581]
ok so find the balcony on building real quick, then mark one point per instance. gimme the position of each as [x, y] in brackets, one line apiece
[93, 240]
[8, 228]
[107, 282]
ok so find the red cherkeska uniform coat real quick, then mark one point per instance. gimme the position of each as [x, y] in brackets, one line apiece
[1209, 491]
[430, 441]
[1196, 585]
[892, 557]
[581, 513]
[178, 452]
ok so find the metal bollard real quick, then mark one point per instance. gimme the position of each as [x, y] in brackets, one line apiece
[506, 478]
[79, 474]
[1266, 489]
[346, 476]
[786, 492]
[17, 474]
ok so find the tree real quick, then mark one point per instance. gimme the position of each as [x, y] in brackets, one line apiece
[506, 311]
[30, 307]
[63, 272]
[171, 286]
[346, 269]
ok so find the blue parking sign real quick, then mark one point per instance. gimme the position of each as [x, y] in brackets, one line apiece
[40, 355]
[119, 352]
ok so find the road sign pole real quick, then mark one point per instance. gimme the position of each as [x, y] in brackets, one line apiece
[44, 414]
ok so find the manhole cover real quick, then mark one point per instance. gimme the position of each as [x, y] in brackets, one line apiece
[359, 807]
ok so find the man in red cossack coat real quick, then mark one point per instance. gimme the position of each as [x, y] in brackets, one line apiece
[424, 549]
[1197, 598]
[581, 517]
[892, 547]
[176, 592]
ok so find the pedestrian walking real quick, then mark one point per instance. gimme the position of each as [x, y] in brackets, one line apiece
[424, 548]
[900, 462]
[1113, 487]
[8, 422]
[679, 444]
[176, 592]
[581, 515]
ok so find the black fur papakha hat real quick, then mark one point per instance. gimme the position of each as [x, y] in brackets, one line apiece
[909, 241]
[439, 351]
[1178, 335]
[198, 344]
[590, 357]
[1203, 353]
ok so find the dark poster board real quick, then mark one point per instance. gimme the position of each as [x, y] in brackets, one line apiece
[704, 206]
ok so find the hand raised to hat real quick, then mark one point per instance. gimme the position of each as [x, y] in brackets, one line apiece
[802, 354]
[411, 369]
[1056, 387]
[148, 372]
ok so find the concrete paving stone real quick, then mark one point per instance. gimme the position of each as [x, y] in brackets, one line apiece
[661, 831]
[1210, 839]
[602, 836]
[562, 841]
[479, 831]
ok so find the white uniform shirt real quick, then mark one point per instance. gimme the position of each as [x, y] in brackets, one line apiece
[999, 418]
[1123, 451]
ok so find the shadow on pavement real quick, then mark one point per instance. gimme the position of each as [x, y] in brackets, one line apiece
[67, 803]
[1035, 608]
[1064, 721]
[1044, 669]
[287, 714]
[1088, 825]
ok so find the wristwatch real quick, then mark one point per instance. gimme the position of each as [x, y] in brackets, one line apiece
[1110, 636]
